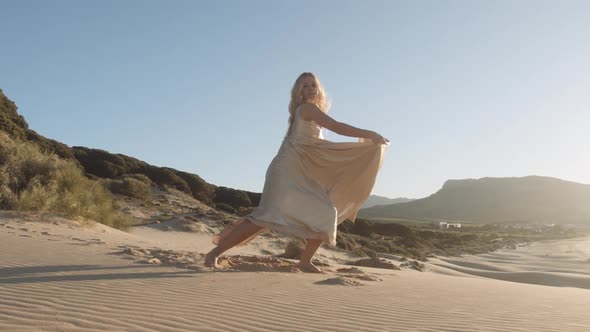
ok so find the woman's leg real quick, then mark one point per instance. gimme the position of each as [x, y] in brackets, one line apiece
[310, 248]
[241, 232]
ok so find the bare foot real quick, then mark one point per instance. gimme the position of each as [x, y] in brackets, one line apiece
[309, 267]
[211, 259]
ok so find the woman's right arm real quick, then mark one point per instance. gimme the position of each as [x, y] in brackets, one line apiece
[311, 112]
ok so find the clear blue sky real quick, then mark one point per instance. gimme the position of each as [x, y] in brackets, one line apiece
[463, 89]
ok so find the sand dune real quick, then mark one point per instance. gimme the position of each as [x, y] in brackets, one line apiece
[56, 276]
[562, 263]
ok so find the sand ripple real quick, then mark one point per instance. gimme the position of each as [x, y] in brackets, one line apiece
[55, 286]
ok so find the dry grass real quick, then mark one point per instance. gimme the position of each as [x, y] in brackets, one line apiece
[34, 181]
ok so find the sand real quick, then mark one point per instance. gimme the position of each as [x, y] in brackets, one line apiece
[56, 275]
[560, 263]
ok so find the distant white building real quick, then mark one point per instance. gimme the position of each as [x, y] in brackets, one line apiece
[447, 225]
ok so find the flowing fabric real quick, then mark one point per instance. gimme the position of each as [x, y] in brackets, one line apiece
[313, 184]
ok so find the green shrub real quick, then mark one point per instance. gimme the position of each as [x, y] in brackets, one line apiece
[346, 226]
[371, 253]
[47, 145]
[199, 188]
[113, 166]
[377, 247]
[104, 164]
[345, 241]
[167, 177]
[32, 180]
[235, 198]
[362, 227]
[294, 249]
[136, 185]
[13, 124]
[469, 237]
[140, 177]
[254, 197]
[244, 211]
[225, 207]
[392, 229]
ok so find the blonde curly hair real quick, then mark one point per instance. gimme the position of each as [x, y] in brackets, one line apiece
[320, 99]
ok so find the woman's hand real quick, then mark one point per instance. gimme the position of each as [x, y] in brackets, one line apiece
[378, 139]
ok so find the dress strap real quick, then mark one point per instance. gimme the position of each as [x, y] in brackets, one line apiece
[296, 112]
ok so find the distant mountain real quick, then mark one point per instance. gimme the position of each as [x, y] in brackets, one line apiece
[374, 200]
[494, 200]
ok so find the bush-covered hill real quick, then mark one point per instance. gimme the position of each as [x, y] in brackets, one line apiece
[97, 163]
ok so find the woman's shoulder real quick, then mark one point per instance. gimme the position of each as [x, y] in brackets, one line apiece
[307, 112]
[306, 109]
[308, 105]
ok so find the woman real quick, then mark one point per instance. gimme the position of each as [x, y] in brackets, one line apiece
[312, 184]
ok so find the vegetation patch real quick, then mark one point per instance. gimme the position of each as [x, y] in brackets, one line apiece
[423, 240]
[136, 186]
[31, 180]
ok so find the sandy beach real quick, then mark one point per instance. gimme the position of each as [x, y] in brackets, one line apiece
[56, 275]
[560, 263]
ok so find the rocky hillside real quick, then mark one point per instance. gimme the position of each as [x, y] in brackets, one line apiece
[375, 200]
[531, 199]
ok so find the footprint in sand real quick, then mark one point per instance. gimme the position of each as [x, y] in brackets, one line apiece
[137, 252]
[197, 268]
[339, 281]
[94, 241]
[351, 270]
[363, 277]
[127, 246]
[356, 273]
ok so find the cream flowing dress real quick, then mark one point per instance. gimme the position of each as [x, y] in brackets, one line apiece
[313, 184]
